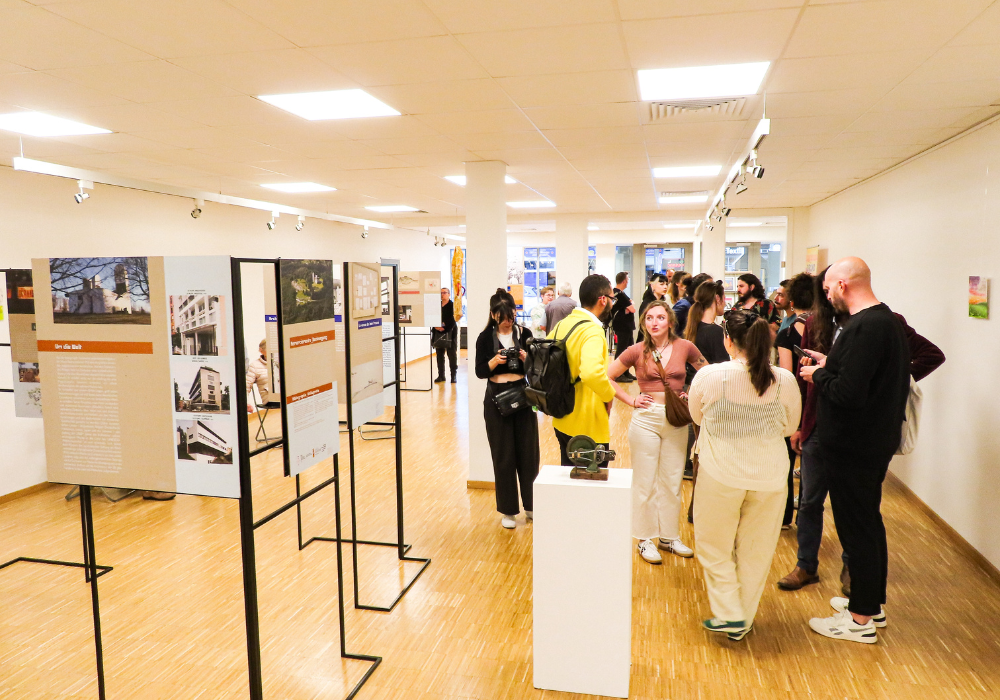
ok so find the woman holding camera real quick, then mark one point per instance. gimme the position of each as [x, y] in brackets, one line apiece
[659, 449]
[746, 409]
[511, 426]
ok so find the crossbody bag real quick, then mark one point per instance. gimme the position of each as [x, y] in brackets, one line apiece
[678, 414]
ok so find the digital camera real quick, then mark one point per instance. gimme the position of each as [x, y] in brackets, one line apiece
[513, 357]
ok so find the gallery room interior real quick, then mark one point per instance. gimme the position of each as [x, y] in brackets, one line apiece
[191, 193]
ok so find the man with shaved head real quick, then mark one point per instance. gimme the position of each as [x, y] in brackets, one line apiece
[862, 387]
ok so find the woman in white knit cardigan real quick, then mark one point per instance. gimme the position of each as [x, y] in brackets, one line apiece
[745, 408]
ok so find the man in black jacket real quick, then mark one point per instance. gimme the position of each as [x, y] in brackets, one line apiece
[863, 386]
[623, 321]
[447, 328]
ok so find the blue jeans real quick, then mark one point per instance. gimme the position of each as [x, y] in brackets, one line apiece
[814, 484]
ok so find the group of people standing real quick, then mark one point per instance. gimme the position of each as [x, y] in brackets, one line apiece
[837, 396]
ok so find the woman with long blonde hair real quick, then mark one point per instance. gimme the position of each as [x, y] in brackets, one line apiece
[658, 448]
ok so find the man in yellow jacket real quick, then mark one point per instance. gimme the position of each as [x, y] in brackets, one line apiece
[587, 351]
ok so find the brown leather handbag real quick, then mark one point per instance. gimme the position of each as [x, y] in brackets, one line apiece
[678, 414]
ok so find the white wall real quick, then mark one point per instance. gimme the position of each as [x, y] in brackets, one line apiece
[924, 228]
[40, 219]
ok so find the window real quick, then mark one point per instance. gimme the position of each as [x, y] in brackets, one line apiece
[737, 259]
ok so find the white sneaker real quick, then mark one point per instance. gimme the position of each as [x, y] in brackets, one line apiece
[677, 547]
[840, 605]
[647, 550]
[843, 626]
[529, 515]
[508, 522]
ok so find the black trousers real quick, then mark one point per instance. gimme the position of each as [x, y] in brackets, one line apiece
[622, 342]
[563, 439]
[856, 498]
[452, 351]
[790, 502]
[514, 447]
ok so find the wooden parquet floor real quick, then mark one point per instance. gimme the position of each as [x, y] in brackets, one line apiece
[173, 607]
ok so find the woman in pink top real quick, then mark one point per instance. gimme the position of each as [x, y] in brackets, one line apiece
[658, 448]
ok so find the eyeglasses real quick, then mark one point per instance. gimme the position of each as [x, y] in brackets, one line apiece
[608, 297]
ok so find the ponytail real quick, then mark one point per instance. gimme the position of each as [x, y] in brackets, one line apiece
[705, 295]
[752, 334]
[757, 348]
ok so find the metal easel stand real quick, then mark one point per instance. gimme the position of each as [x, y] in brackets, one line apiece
[248, 525]
[397, 424]
[401, 361]
[92, 571]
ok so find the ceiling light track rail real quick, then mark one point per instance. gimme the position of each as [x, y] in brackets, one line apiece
[738, 172]
[43, 168]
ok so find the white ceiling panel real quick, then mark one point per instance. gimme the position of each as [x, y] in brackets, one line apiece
[380, 128]
[804, 126]
[966, 93]
[894, 25]
[323, 23]
[708, 39]
[463, 17]
[493, 121]
[176, 28]
[226, 111]
[915, 119]
[595, 87]
[656, 9]
[412, 146]
[581, 116]
[48, 93]
[268, 72]
[611, 135]
[893, 137]
[573, 49]
[145, 81]
[979, 62]
[708, 132]
[858, 71]
[37, 39]
[131, 117]
[444, 96]
[478, 143]
[402, 62]
[822, 103]
[201, 137]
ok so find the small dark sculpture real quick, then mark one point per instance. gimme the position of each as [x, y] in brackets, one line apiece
[586, 455]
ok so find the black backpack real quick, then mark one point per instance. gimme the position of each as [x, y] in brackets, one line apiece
[551, 388]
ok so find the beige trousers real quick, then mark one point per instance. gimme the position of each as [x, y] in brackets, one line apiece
[736, 532]
[658, 453]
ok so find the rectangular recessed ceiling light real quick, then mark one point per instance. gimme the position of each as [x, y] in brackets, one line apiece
[688, 225]
[683, 198]
[533, 204]
[335, 104]
[460, 179]
[702, 82]
[743, 224]
[688, 171]
[38, 124]
[299, 187]
[592, 227]
[388, 208]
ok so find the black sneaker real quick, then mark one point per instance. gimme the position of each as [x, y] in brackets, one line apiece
[438, 380]
[454, 379]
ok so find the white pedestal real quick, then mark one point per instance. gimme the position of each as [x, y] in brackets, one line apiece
[583, 582]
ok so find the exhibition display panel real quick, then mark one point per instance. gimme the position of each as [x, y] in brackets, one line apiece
[582, 582]
[145, 392]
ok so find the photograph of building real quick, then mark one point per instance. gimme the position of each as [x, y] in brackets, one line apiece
[199, 389]
[307, 290]
[197, 324]
[100, 290]
[199, 442]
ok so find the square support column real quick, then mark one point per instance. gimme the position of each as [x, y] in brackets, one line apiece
[486, 269]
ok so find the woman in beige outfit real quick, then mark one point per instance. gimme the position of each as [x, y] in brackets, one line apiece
[745, 409]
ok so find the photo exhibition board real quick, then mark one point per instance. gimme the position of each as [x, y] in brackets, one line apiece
[308, 325]
[140, 367]
[271, 334]
[388, 347]
[20, 316]
[362, 288]
[420, 299]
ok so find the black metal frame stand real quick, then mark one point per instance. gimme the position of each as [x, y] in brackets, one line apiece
[5, 391]
[247, 523]
[402, 548]
[91, 572]
[402, 361]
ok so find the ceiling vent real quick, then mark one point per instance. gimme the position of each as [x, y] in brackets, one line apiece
[667, 110]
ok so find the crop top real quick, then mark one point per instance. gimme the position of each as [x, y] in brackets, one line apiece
[486, 350]
[684, 352]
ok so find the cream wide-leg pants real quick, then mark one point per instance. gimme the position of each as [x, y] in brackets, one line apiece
[736, 532]
[658, 453]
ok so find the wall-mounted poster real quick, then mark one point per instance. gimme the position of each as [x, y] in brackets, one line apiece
[815, 259]
[136, 361]
[420, 299]
[23, 344]
[308, 327]
[979, 297]
[365, 342]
